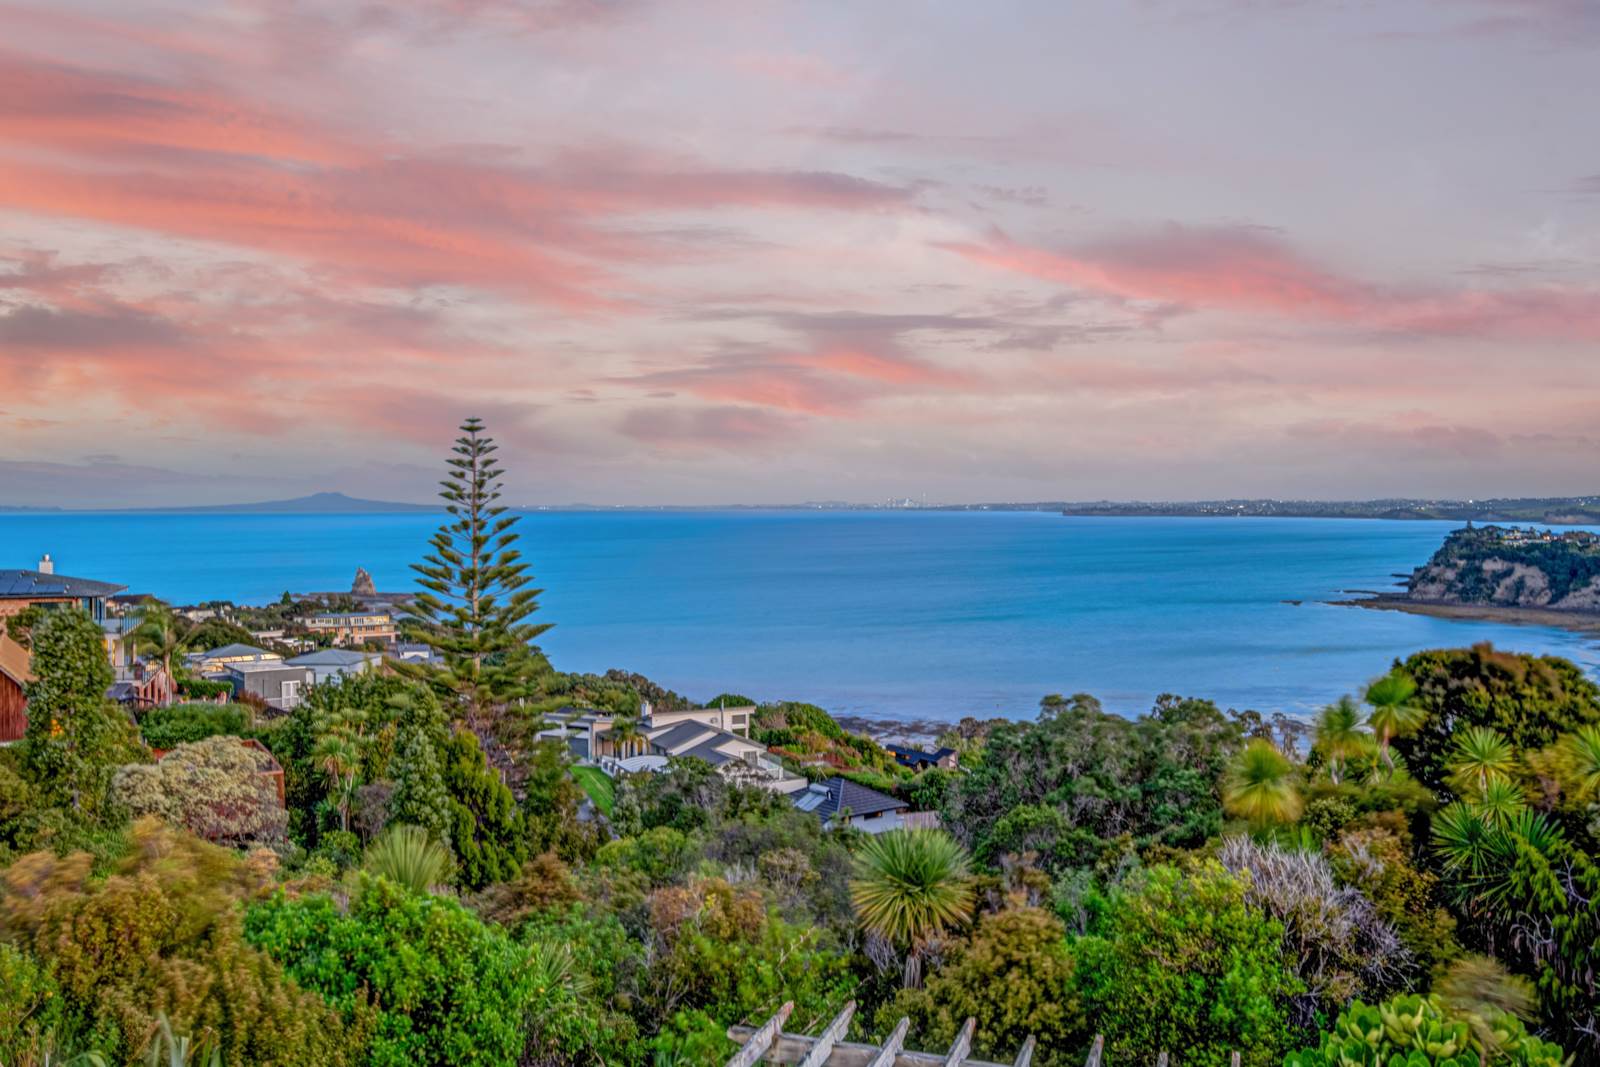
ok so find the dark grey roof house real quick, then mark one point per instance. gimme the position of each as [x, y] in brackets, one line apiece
[920, 759]
[841, 802]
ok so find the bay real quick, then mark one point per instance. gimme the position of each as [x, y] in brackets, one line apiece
[878, 613]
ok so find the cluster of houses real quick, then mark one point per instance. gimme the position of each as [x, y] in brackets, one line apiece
[1511, 535]
[721, 737]
[144, 683]
[616, 744]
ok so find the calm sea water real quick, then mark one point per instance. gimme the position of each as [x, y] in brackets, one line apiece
[897, 614]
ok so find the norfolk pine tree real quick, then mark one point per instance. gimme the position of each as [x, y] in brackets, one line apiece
[475, 603]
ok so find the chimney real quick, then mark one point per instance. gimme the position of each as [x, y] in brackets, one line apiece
[47, 565]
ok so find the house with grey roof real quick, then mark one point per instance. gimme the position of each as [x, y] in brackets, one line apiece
[331, 664]
[45, 589]
[218, 660]
[841, 802]
[282, 686]
[736, 758]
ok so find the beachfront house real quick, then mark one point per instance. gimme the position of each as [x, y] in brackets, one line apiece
[331, 664]
[44, 588]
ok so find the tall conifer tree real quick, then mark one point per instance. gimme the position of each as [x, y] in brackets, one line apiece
[476, 601]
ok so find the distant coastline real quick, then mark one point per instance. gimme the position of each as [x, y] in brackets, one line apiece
[1554, 511]
[1551, 511]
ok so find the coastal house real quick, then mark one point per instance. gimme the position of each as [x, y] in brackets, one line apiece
[355, 627]
[656, 737]
[841, 802]
[331, 664]
[218, 660]
[736, 758]
[591, 734]
[921, 759]
[43, 588]
[282, 686]
[735, 719]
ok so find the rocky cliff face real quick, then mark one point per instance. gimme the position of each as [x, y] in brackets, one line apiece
[1502, 568]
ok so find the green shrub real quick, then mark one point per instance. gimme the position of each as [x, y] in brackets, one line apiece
[181, 724]
[1014, 976]
[661, 855]
[451, 991]
[161, 934]
[1181, 961]
[30, 1006]
[1419, 1031]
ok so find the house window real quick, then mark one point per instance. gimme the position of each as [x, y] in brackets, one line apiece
[291, 694]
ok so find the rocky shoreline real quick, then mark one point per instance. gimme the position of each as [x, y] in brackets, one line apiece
[1581, 622]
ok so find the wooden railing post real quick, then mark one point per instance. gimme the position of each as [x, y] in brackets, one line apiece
[891, 1048]
[831, 1036]
[963, 1045]
[758, 1043]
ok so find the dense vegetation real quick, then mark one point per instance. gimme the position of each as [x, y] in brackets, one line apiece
[1411, 878]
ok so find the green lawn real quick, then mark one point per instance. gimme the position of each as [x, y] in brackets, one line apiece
[600, 788]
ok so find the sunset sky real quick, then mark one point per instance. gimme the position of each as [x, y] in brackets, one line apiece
[696, 251]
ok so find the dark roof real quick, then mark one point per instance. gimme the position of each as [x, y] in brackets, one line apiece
[682, 732]
[23, 585]
[905, 753]
[843, 793]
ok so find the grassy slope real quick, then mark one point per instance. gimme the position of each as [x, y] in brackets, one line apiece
[600, 788]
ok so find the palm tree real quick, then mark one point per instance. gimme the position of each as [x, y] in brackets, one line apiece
[1260, 786]
[157, 636]
[1393, 714]
[908, 886]
[1340, 735]
[624, 732]
[408, 856]
[337, 754]
[1480, 756]
[1580, 761]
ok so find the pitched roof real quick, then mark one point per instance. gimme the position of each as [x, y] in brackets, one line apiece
[262, 666]
[332, 657]
[237, 649]
[22, 585]
[826, 799]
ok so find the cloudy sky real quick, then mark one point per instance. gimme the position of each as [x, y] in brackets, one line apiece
[693, 251]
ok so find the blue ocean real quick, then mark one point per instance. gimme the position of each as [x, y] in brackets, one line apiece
[880, 613]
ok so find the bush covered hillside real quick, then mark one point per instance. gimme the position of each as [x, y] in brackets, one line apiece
[1414, 877]
[1494, 565]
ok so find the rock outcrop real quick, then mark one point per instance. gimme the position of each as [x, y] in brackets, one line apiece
[363, 585]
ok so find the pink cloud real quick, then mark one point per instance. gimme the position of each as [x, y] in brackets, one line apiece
[1236, 269]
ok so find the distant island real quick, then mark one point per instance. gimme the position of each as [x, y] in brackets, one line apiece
[315, 504]
[1553, 511]
[1509, 575]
